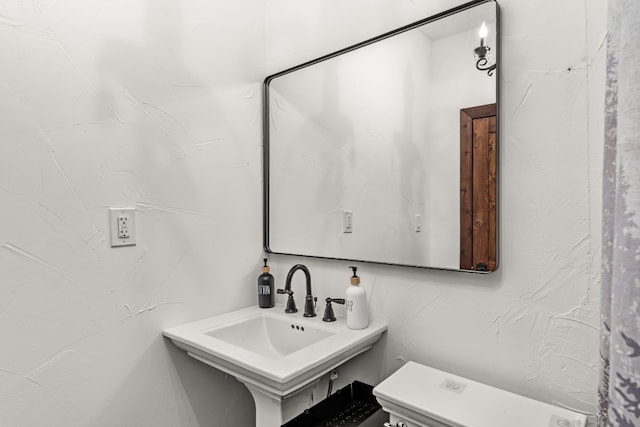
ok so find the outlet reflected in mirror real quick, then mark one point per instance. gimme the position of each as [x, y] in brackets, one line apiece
[386, 151]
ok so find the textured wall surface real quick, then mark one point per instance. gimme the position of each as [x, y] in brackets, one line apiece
[150, 104]
[156, 105]
[531, 327]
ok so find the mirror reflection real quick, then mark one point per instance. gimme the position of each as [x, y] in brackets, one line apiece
[386, 151]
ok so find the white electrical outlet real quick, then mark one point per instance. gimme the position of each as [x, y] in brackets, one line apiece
[123, 227]
[122, 223]
[347, 221]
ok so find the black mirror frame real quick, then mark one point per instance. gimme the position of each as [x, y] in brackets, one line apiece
[266, 142]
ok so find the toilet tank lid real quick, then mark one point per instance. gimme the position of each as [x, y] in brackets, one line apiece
[461, 402]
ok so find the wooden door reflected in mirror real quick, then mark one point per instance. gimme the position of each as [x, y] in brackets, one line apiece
[478, 188]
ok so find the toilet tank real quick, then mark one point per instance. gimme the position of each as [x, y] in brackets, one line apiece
[421, 396]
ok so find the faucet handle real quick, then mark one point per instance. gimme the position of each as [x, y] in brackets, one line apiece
[329, 316]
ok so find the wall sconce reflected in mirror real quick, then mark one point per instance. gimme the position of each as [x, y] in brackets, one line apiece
[485, 61]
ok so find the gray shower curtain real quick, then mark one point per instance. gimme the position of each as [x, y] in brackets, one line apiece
[619, 389]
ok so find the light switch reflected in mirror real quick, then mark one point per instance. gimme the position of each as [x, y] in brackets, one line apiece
[386, 151]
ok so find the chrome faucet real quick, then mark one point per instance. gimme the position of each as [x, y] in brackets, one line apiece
[309, 300]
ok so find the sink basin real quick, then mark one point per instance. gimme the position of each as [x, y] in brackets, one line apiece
[269, 335]
[269, 350]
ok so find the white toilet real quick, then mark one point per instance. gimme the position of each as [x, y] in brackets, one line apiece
[420, 396]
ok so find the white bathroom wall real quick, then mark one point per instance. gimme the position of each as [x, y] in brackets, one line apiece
[156, 105]
[152, 104]
[532, 326]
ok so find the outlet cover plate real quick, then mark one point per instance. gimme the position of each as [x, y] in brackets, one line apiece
[115, 216]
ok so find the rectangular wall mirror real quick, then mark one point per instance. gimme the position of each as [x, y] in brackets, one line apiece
[386, 151]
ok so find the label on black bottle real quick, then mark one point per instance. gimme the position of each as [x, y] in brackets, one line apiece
[264, 290]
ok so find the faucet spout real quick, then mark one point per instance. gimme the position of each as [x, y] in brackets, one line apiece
[309, 303]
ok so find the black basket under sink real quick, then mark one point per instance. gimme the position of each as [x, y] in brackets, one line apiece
[353, 405]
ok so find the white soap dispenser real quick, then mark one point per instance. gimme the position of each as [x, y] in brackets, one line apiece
[356, 304]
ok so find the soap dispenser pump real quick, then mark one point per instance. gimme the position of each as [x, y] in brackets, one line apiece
[266, 294]
[356, 305]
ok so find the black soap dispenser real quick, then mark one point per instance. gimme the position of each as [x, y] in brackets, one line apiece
[266, 294]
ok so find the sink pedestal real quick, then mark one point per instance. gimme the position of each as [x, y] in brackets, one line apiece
[273, 410]
[268, 408]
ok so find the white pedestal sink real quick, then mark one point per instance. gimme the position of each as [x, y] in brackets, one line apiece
[274, 354]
